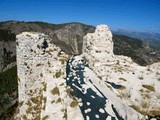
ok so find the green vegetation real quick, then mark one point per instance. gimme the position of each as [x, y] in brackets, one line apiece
[74, 103]
[8, 59]
[141, 90]
[149, 87]
[44, 101]
[128, 46]
[49, 64]
[121, 87]
[45, 25]
[45, 117]
[45, 86]
[35, 100]
[36, 107]
[63, 60]
[155, 113]
[68, 91]
[55, 91]
[24, 117]
[138, 109]
[151, 113]
[141, 77]
[53, 101]
[28, 35]
[29, 103]
[65, 114]
[125, 94]
[20, 103]
[9, 81]
[61, 84]
[133, 42]
[119, 68]
[6, 35]
[29, 110]
[41, 75]
[58, 100]
[58, 74]
[39, 64]
[123, 79]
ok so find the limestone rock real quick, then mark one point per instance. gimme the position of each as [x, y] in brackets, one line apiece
[41, 79]
[98, 50]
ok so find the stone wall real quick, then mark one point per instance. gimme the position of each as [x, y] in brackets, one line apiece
[41, 79]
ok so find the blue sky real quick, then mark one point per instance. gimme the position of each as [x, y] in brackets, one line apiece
[139, 15]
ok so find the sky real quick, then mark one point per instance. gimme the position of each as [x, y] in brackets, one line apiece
[138, 15]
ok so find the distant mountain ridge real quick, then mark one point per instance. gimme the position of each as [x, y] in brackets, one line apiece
[151, 37]
[69, 37]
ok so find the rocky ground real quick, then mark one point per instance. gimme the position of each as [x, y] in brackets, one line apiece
[42, 72]
[95, 85]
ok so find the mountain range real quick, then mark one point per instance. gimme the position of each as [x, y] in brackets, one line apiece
[151, 37]
[73, 67]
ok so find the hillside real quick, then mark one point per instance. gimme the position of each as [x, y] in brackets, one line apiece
[8, 92]
[69, 38]
[136, 86]
[140, 51]
[94, 85]
[151, 37]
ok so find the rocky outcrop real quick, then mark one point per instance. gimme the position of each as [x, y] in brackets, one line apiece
[44, 69]
[41, 79]
[126, 80]
[140, 51]
[99, 44]
[69, 37]
[98, 51]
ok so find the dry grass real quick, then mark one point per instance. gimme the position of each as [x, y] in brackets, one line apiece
[65, 114]
[41, 75]
[123, 79]
[20, 103]
[140, 77]
[63, 60]
[24, 117]
[74, 103]
[146, 108]
[145, 104]
[55, 91]
[141, 90]
[61, 84]
[45, 117]
[149, 87]
[35, 100]
[58, 74]
[125, 94]
[58, 100]
[122, 88]
[68, 91]
[138, 109]
[154, 113]
[39, 64]
[158, 95]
